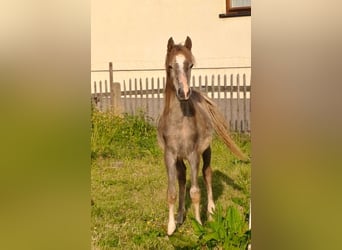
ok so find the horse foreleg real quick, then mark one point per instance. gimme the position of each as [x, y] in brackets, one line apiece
[181, 174]
[171, 191]
[207, 176]
[195, 193]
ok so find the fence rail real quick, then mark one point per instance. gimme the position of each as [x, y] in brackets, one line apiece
[230, 92]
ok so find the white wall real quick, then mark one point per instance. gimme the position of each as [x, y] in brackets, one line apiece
[134, 34]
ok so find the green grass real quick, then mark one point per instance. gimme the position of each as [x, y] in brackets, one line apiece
[129, 182]
[122, 137]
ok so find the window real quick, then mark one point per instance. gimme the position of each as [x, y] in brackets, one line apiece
[236, 8]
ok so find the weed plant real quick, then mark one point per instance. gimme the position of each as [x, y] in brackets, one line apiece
[224, 232]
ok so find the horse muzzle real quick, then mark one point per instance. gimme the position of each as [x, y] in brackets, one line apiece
[184, 95]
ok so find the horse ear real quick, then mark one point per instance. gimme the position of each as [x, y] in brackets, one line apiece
[170, 44]
[188, 43]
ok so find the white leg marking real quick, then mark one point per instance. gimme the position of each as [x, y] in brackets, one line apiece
[195, 196]
[172, 224]
[211, 207]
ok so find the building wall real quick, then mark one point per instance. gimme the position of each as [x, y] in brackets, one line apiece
[134, 34]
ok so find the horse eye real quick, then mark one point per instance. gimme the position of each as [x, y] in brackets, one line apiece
[170, 66]
[190, 66]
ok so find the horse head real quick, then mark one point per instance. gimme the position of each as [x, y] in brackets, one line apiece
[179, 62]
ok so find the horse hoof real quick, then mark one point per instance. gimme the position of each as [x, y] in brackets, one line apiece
[211, 208]
[199, 221]
[180, 219]
[171, 228]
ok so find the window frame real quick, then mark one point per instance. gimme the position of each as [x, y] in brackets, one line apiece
[235, 11]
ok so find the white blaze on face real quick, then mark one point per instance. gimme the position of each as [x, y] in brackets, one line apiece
[180, 59]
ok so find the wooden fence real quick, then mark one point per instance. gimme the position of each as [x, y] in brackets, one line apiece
[230, 92]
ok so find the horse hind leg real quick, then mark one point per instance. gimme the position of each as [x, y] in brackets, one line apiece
[181, 175]
[195, 192]
[207, 176]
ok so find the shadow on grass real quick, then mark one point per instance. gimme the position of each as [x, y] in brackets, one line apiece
[218, 180]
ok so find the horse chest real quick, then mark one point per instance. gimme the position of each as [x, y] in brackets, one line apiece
[182, 136]
[186, 132]
[185, 129]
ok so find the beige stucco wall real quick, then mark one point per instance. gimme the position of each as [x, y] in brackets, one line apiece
[133, 34]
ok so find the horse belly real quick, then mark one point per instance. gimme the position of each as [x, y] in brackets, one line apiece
[194, 142]
[186, 145]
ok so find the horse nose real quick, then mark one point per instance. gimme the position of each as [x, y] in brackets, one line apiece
[183, 94]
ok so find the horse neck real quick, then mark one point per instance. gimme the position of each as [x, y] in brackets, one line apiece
[170, 94]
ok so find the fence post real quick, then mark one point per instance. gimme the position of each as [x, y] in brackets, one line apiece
[115, 92]
[115, 96]
[110, 73]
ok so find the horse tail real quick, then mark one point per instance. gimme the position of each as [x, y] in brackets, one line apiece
[221, 128]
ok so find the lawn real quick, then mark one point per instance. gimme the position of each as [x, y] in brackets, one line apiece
[128, 190]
